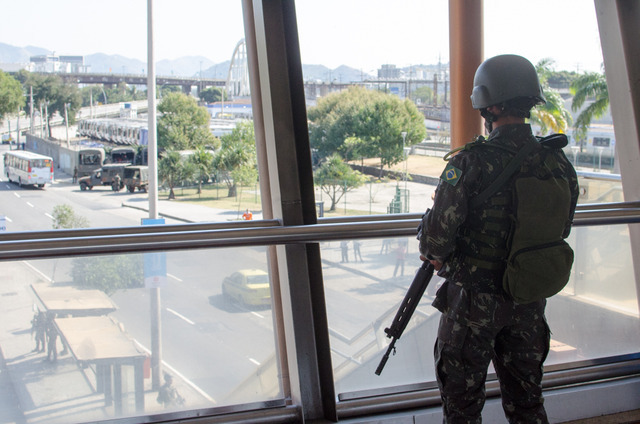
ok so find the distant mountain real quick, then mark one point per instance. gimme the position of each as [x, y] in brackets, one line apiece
[13, 54]
[217, 71]
[112, 63]
[321, 73]
[188, 66]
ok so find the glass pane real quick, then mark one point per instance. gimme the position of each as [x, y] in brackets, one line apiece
[365, 282]
[596, 315]
[357, 65]
[105, 74]
[78, 331]
[401, 53]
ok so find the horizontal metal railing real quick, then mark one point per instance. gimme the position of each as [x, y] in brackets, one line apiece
[96, 241]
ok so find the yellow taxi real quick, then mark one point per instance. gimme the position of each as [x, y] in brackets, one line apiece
[249, 287]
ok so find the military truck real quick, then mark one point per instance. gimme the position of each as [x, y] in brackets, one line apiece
[136, 176]
[109, 175]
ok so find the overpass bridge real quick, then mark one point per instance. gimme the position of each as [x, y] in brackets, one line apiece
[110, 80]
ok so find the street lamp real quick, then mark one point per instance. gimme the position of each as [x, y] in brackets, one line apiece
[66, 120]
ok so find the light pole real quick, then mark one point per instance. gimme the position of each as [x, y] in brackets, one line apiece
[66, 120]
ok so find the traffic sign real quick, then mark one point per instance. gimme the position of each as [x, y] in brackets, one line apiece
[155, 263]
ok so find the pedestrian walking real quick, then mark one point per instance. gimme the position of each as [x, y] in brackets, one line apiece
[344, 247]
[356, 251]
[52, 337]
[39, 328]
[401, 253]
[168, 395]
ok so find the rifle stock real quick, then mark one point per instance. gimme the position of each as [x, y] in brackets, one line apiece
[406, 310]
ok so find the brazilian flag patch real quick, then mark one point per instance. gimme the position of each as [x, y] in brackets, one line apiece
[451, 175]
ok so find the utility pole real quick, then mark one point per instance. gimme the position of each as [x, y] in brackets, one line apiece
[31, 108]
[66, 121]
[156, 327]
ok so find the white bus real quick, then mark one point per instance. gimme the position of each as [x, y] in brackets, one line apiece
[28, 168]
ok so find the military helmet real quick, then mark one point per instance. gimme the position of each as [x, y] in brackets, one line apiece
[505, 77]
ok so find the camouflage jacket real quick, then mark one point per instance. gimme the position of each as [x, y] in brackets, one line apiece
[471, 293]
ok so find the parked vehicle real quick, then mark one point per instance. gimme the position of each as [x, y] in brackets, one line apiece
[136, 176]
[249, 287]
[89, 159]
[105, 176]
[28, 168]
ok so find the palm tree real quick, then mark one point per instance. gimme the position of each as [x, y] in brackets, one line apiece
[203, 164]
[170, 169]
[552, 116]
[590, 85]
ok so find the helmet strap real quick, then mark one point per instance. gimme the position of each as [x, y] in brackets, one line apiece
[489, 119]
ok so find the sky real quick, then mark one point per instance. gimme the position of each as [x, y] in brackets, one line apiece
[363, 34]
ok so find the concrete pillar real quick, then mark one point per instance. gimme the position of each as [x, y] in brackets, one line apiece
[466, 53]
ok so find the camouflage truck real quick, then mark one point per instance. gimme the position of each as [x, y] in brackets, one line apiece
[136, 176]
[109, 175]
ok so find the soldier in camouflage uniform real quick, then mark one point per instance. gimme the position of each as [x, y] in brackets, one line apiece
[480, 323]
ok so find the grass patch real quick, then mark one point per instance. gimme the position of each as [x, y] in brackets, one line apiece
[215, 196]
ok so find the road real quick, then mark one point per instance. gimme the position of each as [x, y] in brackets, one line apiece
[198, 325]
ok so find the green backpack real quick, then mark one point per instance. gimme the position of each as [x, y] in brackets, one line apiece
[539, 260]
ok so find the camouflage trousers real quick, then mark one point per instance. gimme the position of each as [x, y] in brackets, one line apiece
[462, 356]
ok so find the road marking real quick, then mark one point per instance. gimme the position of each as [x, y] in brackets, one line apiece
[254, 361]
[28, 203]
[174, 277]
[175, 372]
[48, 215]
[8, 219]
[257, 314]
[37, 271]
[16, 194]
[181, 316]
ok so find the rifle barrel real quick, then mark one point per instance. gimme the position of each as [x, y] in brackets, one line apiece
[407, 308]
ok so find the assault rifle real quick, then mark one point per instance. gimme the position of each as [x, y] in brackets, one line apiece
[407, 308]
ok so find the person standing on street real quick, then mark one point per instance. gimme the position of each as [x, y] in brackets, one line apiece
[168, 395]
[468, 246]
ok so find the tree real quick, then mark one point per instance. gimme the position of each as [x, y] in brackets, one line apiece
[590, 85]
[236, 159]
[51, 91]
[173, 169]
[212, 94]
[202, 161]
[108, 273]
[552, 116]
[183, 124]
[424, 94]
[121, 93]
[65, 217]
[376, 119]
[11, 96]
[336, 178]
